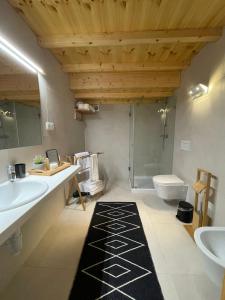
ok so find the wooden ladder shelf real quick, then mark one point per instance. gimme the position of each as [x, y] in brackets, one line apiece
[200, 216]
[74, 183]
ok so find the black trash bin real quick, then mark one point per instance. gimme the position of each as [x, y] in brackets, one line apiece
[185, 212]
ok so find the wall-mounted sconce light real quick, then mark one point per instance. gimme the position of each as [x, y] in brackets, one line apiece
[19, 56]
[198, 91]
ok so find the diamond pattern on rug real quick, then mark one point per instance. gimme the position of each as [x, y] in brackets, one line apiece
[124, 272]
[116, 270]
[116, 226]
[116, 244]
[116, 214]
[116, 263]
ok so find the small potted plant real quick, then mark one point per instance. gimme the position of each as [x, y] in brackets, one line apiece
[39, 162]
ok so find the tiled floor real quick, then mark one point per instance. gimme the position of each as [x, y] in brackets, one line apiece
[48, 273]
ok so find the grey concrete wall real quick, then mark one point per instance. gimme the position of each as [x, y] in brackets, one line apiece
[202, 121]
[56, 97]
[108, 132]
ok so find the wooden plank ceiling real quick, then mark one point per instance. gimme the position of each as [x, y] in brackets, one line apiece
[123, 50]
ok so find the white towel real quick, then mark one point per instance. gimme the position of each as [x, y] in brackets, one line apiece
[94, 174]
[93, 183]
[83, 162]
[92, 187]
[92, 193]
[80, 154]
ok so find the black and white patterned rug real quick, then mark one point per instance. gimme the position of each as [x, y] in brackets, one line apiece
[116, 263]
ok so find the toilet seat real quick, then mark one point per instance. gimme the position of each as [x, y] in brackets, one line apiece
[168, 180]
[170, 187]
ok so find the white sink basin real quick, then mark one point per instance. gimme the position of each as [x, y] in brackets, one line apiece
[18, 193]
[211, 241]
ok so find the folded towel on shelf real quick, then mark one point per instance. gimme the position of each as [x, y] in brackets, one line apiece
[94, 174]
[92, 193]
[92, 187]
[93, 183]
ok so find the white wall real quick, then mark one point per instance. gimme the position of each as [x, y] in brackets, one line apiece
[108, 132]
[56, 98]
[202, 121]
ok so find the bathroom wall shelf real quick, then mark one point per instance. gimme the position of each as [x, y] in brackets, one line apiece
[79, 113]
[85, 111]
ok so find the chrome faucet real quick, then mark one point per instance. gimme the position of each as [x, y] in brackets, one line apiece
[11, 173]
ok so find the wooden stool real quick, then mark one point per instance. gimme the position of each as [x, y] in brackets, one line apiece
[74, 183]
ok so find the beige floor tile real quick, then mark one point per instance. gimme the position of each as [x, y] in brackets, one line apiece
[179, 250]
[49, 271]
[40, 284]
[168, 287]
[195, 287]
[63, 243]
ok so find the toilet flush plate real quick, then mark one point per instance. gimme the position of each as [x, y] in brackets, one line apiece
[185, 145]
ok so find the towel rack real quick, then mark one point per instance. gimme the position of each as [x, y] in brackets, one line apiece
[85, 156]
[202, 186]
[74, 182]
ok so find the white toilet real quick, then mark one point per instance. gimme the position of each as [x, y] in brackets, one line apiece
[170, 187]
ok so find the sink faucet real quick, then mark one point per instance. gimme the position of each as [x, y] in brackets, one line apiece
[11, 173]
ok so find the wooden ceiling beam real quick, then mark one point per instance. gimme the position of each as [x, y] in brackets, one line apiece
[20, 95]
[19, 82]
[120, 95]
[131, 38]
[121, 67]
[19, 87]
[124, 101]
[124, 80]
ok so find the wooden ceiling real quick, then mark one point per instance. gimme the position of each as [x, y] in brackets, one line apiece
[123, 50]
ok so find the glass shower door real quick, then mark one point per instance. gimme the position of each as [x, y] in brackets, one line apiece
[151, 148]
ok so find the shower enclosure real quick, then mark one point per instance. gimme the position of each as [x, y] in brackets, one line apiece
[151, 141]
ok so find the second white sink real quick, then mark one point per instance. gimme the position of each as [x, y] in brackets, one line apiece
[18, 193]
[211, 241]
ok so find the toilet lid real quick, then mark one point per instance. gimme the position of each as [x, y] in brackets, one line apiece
[168, 180]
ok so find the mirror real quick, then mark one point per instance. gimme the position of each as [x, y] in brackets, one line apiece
[20, 114]
[53, 156]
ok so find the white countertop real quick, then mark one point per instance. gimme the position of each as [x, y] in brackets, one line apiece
[12, 219]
